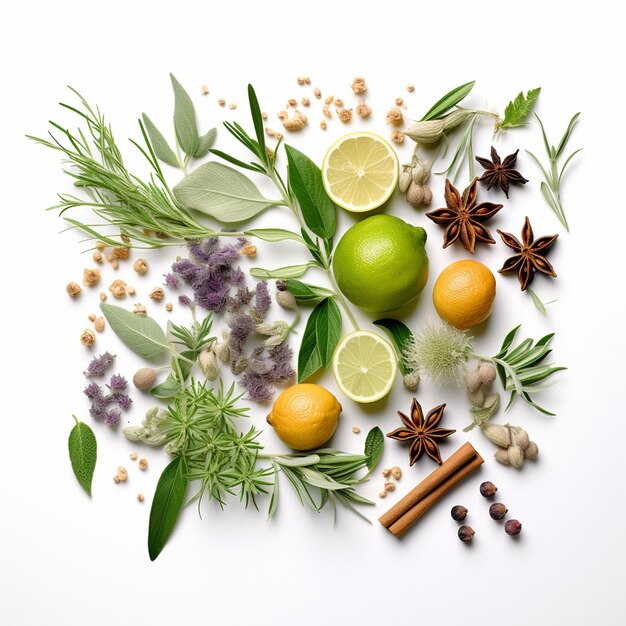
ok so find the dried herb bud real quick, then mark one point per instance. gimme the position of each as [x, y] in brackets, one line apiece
[497, 434]
[488, 489]
[411, 381]
[497, 510]
[397, 136]
[396, 472]
[466, 533]
[386, 472]
[363, 110]
[208, 364]
[140, 266]
[222, 351]
[404, 181]
[513, 527]
[389, 486]
[532, 451]
[487, 374]
[516, 456]
[144, 378]
[73, 289]
[91, 277]
[345, 115]
[121, 474]
[382, 494]
[428, 196]
[502, 456]
[169, 307]
[98, 324]
[249, 250]
[472, 381]
[97, 256]
[317, 92]
[415, 195]
[140, 497]
[139, 309]
[157, 293]
[477, 398]
[522, 439]
[459, 513]
[118, 288]
[286, 300]
[394, 116]
[88, 338]
[358, 85]
[121, 253]
[142, 464]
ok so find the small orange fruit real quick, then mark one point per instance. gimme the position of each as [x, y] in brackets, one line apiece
[464, 293]
[305, 416]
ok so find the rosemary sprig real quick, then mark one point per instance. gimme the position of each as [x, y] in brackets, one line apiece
[551, 187]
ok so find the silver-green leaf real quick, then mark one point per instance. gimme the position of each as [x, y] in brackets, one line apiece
[140, 333]
[184, 119]
[205, 142]
[289, 271]
[159, 143]
[221, 192]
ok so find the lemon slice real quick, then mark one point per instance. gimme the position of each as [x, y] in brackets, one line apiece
[360, 172]
[364, 366]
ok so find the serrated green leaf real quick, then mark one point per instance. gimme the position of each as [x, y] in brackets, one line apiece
[83, 449]
[140, 333]
[167, 503]
[518, 110]
[221, 192]
[205, 142]
[289, 271]
[450, 100]
[160, 146]
[400, 336]
[374, 445]
[184, 119]
[328, 326]
[305, 180]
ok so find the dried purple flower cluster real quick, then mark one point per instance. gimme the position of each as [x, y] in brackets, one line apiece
[99, 365]
[219, 286]
[101, 402]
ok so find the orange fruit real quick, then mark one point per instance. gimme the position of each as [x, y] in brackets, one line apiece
[464, 293]
[305, 416]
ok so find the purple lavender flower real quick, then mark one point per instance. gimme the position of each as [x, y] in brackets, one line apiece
[243, 296]
[117, 383]
[93, 391]
[282, 372]
[95, 413]
[209, 245]
[256, 386]
[112, 417]
[236, 276]
[198, 251]
[224, 257]
[172, 281]
[262, 300]
[186, 269]
[185, 300]
[123, 401]
[241, 325]
[99, 364]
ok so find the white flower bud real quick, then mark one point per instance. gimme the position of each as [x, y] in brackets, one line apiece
[415, 194]
[411, 381]
[472, 381]
[222, 351]
[497, 434]
[502, 456]
[521, 439]
[516, 456]
[208, 364]
[286, 300]
[532, 451]
[487, 374]
[404, 181]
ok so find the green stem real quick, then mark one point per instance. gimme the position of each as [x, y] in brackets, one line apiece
[340, 298]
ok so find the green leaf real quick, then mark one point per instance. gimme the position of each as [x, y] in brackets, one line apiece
[508, 340]
[309, 360]
[139, 332]
[485, 413]
[221, 192]
[271, 511]
[537, 301]
[290, 271]
[400, 336]
[305, 180]
[450, 100]
[374, 445]
[83, 450]
[304, 293]
[160, 146]
[168, 501]
[274, 234]
[518, 110]
[328, 330]
[184, 119]
[205, 142]
[169, 388]
[566, 136]
[257, 118]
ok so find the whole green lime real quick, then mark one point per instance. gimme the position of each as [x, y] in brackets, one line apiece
[381, 264]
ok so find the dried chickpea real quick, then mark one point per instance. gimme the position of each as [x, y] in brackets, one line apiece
[91, 277]
[88, 338]
[140, 266]
[118, 288]
[73, 289]
[157, 293]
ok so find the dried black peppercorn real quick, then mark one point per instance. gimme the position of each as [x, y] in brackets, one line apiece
[488, 489]
[497, 510]
[513, 527]
[466, 533]
[458, 512]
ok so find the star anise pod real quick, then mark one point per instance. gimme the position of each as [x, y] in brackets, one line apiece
[499, 172]
[530, 255]
[422, 433]
[463, 217]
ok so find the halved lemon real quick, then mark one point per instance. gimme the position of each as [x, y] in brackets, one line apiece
[365, 366]
[360, 171]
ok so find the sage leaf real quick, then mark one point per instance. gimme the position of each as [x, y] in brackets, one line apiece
[139, 332]
[400, 336]
[309, 360]
[450, 100]
[304, 293]
[83, 451]
[169, 388]
[257, 118]
[374, 445]
[221, 192]
[167, 503]
[305, 180]
[327, 329]
[160, 146]
[184, 119]
[274, 234]
[205, 142]
[290, 271]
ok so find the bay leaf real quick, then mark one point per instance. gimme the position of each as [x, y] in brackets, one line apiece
[83, 451]
[309, 360]
[221, 192]
[160, 146]
[184, 119]
[140, 333]
[168, 501]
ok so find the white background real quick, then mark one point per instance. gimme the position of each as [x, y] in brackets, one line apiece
[66, 559]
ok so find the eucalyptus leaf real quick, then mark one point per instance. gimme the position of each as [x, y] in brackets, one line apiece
[205, 142]
[167, 503]
[184, 119]
[374, 445]
[450, 100]
[139, 332]
[400, 336]
[160, 146]
[328, 326]
[274, 234]
[305, 180]
[290, 271]
[221, 192]
[83, 451]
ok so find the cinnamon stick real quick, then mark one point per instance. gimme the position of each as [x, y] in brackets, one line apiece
[410, 508]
